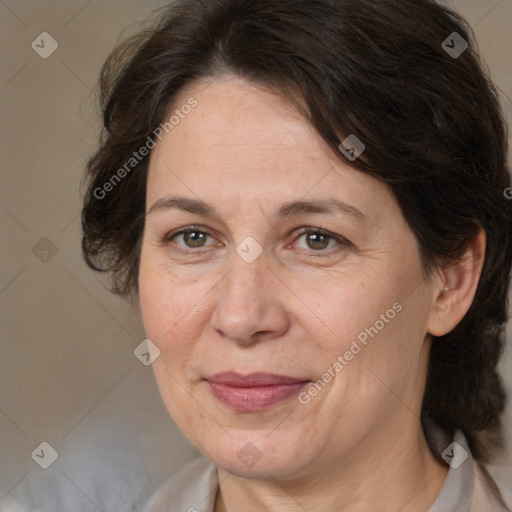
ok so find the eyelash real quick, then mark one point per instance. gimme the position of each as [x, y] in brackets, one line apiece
[341, 241]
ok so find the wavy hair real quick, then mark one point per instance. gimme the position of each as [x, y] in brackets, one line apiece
[431, 123]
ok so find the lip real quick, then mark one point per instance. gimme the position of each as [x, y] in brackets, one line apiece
[255, 391]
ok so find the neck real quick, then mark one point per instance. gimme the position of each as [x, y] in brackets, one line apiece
[387, 473]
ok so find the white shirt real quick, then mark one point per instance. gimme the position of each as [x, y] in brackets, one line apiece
[194, 488]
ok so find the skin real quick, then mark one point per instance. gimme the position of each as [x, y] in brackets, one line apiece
[358, 445]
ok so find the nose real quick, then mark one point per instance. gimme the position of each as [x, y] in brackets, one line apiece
[251, 303]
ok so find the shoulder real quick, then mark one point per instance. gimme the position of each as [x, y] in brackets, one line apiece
[484, 499]
[193, 488]
[468, 486]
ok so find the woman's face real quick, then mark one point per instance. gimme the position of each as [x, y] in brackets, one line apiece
[252, 305]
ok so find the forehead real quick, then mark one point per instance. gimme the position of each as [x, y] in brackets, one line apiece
[244, 144]
[234, 117]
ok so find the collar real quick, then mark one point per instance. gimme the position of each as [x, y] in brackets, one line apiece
[459, 485]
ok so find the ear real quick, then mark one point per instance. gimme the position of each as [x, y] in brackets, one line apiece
[455, 288]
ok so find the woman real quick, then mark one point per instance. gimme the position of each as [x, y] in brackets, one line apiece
[307, 199]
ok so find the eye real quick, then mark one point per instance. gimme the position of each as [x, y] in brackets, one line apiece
[195, 238]
[319, 240]
[191, 238]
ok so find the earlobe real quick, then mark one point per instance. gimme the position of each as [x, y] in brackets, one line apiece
[455, 288]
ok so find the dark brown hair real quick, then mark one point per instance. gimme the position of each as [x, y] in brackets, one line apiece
[430, 121]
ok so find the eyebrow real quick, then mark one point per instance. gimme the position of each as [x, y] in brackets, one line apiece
[199, 207]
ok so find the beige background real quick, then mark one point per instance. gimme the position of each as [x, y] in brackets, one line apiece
[68, 375]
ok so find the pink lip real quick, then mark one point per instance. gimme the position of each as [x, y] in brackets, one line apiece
[255, 391]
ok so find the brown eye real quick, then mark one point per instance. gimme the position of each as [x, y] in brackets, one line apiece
[317, 241]
[188, 239]
[194, 238]
[320, 241]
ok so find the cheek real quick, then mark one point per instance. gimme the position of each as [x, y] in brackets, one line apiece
[169, 312]
[173, 312]
[353, 307]
[163, 301]
[375, 332]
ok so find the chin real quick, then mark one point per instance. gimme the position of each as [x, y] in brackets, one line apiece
[249, 454]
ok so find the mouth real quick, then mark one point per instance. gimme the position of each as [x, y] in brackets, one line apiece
[255, 391]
